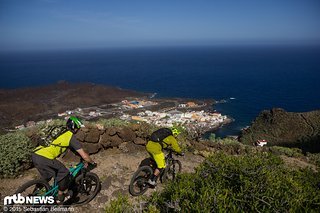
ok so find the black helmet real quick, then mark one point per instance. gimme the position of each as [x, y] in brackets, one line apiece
[74, 123]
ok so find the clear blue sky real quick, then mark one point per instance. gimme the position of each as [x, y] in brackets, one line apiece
[50, 24]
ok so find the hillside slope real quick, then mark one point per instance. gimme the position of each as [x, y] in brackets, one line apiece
[115, 169]
[18, 106]
[278, 127]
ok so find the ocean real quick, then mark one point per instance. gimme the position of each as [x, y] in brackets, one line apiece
[250, 79]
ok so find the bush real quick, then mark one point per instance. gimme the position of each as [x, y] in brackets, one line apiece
[119, 205]
[15, 155]
[228, 141]
[212, 137]
[314, 158]
[247, 183]
[290, 152]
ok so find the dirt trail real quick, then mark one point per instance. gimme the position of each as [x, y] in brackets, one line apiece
[115, 169]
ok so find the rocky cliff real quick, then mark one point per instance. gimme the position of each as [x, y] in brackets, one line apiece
[278, 127]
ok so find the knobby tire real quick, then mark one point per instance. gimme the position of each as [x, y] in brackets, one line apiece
[170, 174]
[85, 191]
[138, 184]
[37, 187]
[37, 183]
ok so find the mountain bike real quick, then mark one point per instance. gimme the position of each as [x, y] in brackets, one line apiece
[139, 181]
[84, 184]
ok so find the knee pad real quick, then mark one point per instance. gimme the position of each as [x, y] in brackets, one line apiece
[64, 183]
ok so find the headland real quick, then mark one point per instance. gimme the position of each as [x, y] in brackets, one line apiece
[21, 108]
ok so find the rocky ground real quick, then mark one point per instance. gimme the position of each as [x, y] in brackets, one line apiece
[115, 169]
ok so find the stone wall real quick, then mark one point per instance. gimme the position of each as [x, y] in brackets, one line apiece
[97, 138]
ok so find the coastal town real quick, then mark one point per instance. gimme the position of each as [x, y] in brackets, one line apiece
[166, 113]
[198, 119]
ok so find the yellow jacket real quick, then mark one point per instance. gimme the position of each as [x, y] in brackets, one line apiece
[56, 148]
[156, 148]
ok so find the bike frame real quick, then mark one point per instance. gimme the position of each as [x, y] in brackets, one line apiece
[139, 181]
[73, 171]
[169, 156]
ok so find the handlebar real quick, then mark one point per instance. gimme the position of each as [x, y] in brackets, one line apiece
[170, 151]
[90, 165]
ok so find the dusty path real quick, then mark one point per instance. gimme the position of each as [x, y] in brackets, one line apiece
[115, 169]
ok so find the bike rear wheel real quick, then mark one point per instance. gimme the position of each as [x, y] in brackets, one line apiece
[171, 171]
[86, 187]
[138, 184]
[34, 188]
[31, 188]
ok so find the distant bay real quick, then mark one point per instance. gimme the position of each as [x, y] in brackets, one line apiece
[250, 79]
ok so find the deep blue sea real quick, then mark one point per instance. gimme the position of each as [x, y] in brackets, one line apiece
[256, 78]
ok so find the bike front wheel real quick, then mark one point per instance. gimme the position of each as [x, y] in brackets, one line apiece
[171, 171]
[86, 187]
[138, 184]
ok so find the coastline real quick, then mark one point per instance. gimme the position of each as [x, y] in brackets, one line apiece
[26, 107]
[253, 87]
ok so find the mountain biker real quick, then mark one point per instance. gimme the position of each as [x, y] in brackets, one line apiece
[155, 149]
[44, 158]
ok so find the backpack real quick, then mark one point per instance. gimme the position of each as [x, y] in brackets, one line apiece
[49, 133]
[160, 134]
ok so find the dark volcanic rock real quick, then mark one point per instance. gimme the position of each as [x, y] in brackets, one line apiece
[126, 134]
[115, 141]
[112, 131]
[105, 140]
[139, 141]
[81, 135]
[91, 148]
[93, 136]
[283, 128]
[17, 106]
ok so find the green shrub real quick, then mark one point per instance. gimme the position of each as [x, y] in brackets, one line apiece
[228, 141]
[246, 183]
[290, 152]
[119, 205]
[15, 155]
[314, 158]
[212, 137]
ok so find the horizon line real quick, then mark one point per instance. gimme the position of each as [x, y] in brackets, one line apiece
[122, 47]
